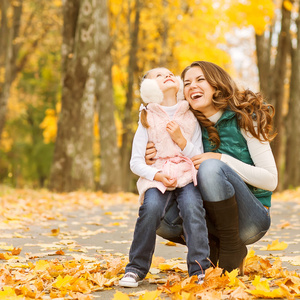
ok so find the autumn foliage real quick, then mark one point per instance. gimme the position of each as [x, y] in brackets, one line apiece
[66, 272]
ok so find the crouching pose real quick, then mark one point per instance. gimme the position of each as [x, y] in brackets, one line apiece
[237, 173]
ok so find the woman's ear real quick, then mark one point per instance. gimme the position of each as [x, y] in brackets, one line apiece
[180, 95]
[150, 91]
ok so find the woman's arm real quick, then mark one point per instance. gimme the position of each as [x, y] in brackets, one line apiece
[264, 172]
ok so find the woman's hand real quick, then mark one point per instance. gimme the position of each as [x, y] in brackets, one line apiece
[198, 159]
[150, 154]
[176, 135]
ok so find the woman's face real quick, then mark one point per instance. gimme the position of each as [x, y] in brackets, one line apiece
[198, 92]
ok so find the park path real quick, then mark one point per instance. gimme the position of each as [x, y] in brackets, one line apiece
[96, 230]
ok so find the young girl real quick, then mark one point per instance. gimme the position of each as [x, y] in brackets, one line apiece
[177, 136]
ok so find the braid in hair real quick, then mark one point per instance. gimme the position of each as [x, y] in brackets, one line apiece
[144, 120]
[211, 130]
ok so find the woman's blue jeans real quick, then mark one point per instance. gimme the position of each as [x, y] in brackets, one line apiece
[217, 182]
[189, 208]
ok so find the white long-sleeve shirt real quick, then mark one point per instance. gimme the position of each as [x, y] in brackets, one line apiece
[137, 162]
[263, 174]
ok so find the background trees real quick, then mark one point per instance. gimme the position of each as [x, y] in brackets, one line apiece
[83, 125]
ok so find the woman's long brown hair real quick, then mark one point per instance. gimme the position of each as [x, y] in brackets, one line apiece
[249, 106]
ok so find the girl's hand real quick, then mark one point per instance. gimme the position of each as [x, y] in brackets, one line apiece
[150, 154]
[176, 135]
[165, 179]
[198, 159]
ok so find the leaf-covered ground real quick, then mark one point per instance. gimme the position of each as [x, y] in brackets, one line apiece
[75, 246]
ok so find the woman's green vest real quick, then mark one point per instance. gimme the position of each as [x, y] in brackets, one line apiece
[234, 144]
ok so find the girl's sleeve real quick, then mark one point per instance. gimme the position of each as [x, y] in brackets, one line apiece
[264, 172]
[137, 162]
[195, 146]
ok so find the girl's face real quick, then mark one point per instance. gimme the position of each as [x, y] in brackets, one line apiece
[198, 92]
[165, 79]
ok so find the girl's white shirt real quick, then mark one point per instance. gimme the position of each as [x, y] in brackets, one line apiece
[264, 172]
[137, 162]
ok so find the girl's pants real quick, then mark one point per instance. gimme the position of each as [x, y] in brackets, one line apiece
[189, 208]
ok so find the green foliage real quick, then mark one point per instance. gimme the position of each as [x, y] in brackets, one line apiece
[29, 159]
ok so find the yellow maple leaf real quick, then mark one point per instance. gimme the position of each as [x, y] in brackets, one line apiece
[151, 295]
[261, 285]
[156, 260]
[276, 293]
[288, 5]
[41, 265]
[63, 282]
[9, 294]
[233, 277]
[169, 243]
[120, 296]
[276, 245]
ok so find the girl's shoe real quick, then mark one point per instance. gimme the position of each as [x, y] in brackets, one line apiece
[201, 279]
[130, 279]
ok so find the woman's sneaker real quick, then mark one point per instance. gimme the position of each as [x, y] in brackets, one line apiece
[201, 278]
[130, 279]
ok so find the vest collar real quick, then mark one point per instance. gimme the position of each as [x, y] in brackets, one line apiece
[227, 115]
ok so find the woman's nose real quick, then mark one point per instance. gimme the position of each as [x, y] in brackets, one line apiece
[192, 84]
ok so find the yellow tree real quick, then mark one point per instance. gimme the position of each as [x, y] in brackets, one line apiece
[171, 34]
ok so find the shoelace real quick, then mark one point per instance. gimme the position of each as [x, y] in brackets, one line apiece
[132, 275]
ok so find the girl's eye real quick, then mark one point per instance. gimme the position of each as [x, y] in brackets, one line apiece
[186, 83]
[158, 75]
[201, 79]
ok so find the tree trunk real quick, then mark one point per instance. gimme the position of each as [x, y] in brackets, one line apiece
[273, 77]
[127, 130]
[110, 173]
[263, 53]
[164, 35]
[72, 167]
[292, 173]
[279, 76]
[8, 52]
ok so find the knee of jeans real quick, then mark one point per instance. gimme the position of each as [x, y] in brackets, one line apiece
[152, 207]
[253, 233]
[209, 173]
[254, 239]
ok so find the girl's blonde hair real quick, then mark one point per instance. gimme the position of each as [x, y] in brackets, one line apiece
[247, 105]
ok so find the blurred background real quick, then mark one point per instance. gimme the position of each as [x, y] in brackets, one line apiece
[70, 73]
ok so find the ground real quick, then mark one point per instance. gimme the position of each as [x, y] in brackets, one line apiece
[96, 228]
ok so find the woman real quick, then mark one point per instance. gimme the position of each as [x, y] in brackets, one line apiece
[237, 173]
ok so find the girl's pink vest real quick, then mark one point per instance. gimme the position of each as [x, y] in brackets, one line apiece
[169, 158]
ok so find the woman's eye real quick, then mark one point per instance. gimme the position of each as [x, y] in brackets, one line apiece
[186, 84]
[158, 75]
